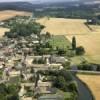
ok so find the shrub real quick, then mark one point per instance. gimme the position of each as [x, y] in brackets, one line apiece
[73, 86]
[66, 65]
[80, 50]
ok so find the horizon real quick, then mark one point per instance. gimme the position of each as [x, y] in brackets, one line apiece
[48, 0]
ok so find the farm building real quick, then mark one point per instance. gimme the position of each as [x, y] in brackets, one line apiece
[54, 59]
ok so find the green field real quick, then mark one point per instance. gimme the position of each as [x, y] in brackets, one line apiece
[77, 60]
[66, 95]
[60, 41]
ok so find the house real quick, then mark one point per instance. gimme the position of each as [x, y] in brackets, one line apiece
[2, 58]
[1, 23]
[23, 41]
[8, 51]
[19, 66]
[1, 45]
[58, 59]
[27, 98]
[38, 67]
[2, 64]
[44, 88]
[44, 84]
[92, 21]
[35, 42]
[29, 60]
[22, 91]
[34, 36]
[14, 73]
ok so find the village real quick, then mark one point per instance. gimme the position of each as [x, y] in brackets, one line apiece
[49, 50]
[36, 65]
[19, 64]
[15, 63]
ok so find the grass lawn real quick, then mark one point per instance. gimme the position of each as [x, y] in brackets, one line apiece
[77, 60]
[60, 41]
[1, 72]
[66, 95]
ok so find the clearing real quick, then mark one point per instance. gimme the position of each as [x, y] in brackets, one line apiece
[93, 82]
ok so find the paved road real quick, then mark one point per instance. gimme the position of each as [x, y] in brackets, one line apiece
[85, 72]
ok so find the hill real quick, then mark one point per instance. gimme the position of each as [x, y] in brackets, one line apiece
[56, 9]
[25, 6]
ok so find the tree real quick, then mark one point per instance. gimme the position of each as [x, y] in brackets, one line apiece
[73, 86]
[80, 50]
[74, 43]
[66, 65]
[60, 83]
[48, 35]
[24, 29]
[9, 92]
[61, 51]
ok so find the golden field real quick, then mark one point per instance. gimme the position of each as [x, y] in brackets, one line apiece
[91, 43]
[61, 26]
[7, 14]
[87, 37]
[3, 30]
[93, 82]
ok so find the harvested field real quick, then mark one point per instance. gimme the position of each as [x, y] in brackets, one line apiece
[61, 26]
[93, 82]
[7, 14]
[91, 43]
[86, 36]
[3, 30]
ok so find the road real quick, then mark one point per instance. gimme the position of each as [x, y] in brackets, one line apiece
[85, 72]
